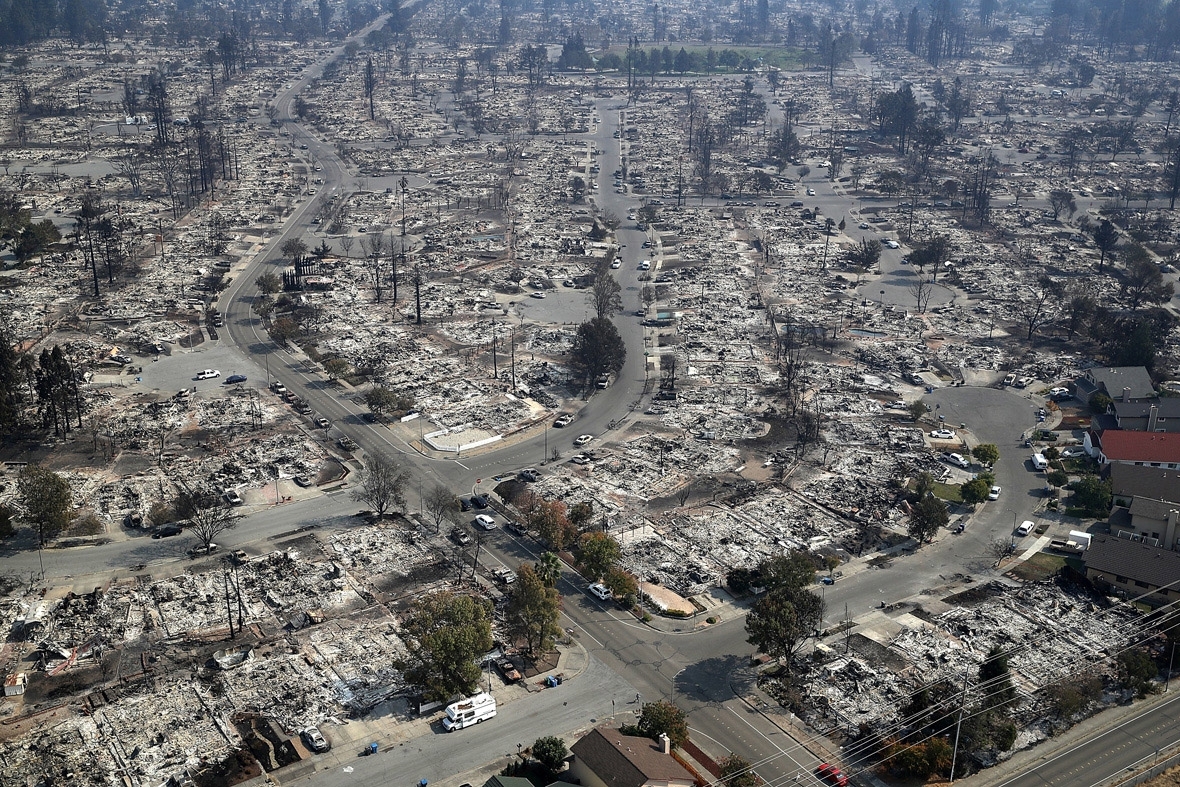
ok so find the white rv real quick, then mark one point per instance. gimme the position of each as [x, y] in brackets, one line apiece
[470, 711]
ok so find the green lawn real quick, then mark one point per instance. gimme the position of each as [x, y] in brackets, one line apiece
[1042, 565]
[951, 493]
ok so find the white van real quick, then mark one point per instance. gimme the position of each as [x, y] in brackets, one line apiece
[1039, 462]
[472, 710]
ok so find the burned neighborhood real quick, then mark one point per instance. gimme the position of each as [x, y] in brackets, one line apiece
[574, 379]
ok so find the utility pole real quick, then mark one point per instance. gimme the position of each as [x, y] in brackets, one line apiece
[405, 186]
[959, 725]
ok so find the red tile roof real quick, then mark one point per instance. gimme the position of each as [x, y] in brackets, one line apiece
[1127, 446]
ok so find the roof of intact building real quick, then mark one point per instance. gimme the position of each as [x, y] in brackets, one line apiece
[1133, 559]
[1124, 446]
[625, 760]
[1160, 483]
[1116, 378]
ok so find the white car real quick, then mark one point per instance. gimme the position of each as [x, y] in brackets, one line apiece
[864, 225]
[1058, 393]
[892, 244]
[537, 295]
[617, 263]
[582, 439]
[581, 459]
[1073, 453]
[898, 404]
[484, 521]
[811, 192]
[208, 374]
[994, 493]
[1025, 528]
[956, 459]
[565, 419]
[942, 434]
[601, 591]
[232, 497]
[645, 265]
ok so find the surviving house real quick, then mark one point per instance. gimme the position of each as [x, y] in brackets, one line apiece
[1153, 415]
[1134, 568]
[1147, 520]
[1120, 383]
[1128, 481]
[1147, 449]
[606, 758]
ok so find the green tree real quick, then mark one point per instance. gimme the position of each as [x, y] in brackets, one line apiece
[548, 568]
[581, 513]
[987, 454]
[663, 717]
[995, 679]
[551, 752]
[598, 349]
[597, 553]
[47, 501]
[445, 635]
[1057, 478]
[928, 516]
[284, 329]
[1136, 670]
[736, 771]
[385, 402]
[1142, 281]
[383, 485]
[781, 621]
[794, 570]
[294, 250]
[336, 367]
[269, 283]
[533, 613]
[7, 521]
[1092, 495]
[975, 491]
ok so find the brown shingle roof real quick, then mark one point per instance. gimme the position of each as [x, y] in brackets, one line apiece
[627, 761]
[1134, 560]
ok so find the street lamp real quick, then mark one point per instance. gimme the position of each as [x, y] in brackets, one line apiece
[672, 689]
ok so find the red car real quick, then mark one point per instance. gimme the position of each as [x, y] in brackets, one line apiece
[831, 774]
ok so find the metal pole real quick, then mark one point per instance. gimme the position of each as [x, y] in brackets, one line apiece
[958, 727]
[1171, 658]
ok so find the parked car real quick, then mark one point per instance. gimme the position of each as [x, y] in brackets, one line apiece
[616, 264]
[464, 504]
[315, 740]
[460, 536]
[1059, 393]
[942, 434]
[538, 295]
[302, 480]
[164, 531]
[1010, 379]
[347, 443]
[864, 225]
[565, 419]
[898, 404]
[201, 551]
[645, 265]
[278, 387]
[232, 497]
[234, 379]
[581, 459]
[601, 591]
[1073, 453]
[1025, 528]
[994, 493]
[528, 475]
[891, 244]
[956, 459]
[1039, 462]
[208, 374]
[582, 439]
[484, 521]
[515, 528]
[479, 501]
[322, 423]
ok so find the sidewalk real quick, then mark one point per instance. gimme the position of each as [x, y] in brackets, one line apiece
[393, 723]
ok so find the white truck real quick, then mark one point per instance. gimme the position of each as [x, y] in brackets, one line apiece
[472, 710]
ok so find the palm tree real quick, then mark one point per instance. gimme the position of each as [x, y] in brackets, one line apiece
[548, 568]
